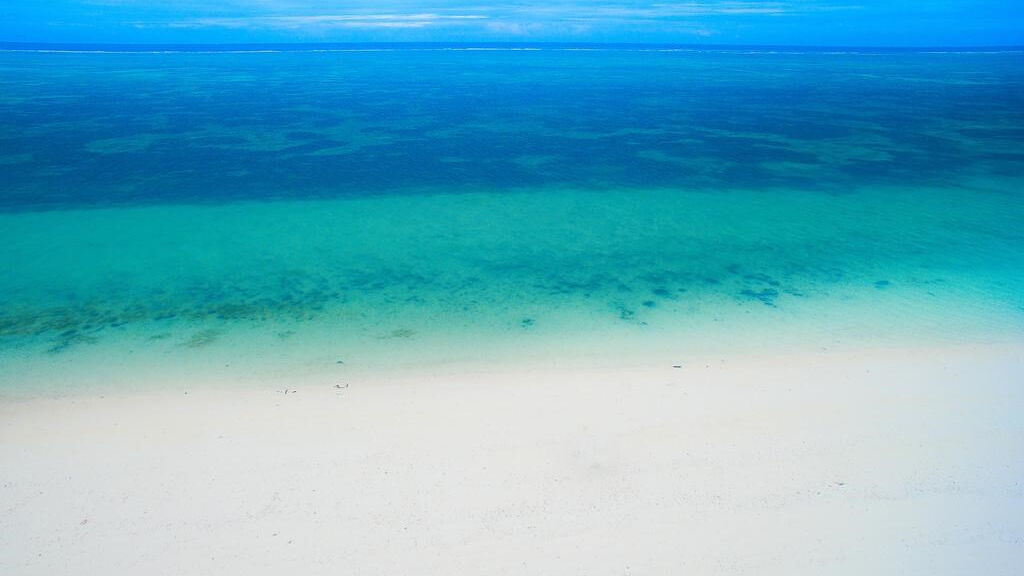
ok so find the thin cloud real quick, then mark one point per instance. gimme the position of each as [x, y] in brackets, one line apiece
[329, 21]
[664, 11]
[839, 22]
[558, 18]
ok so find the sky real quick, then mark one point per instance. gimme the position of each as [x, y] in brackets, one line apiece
[783, 22]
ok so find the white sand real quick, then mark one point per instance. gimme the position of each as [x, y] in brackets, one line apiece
[879, 462]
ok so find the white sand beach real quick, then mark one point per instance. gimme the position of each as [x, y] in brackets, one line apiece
[892, 461]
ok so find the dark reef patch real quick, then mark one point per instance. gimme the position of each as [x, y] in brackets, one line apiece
[761, 278]
[766, 296]
[664, 292]
[202, 338]
[69, 339]
[625, 313]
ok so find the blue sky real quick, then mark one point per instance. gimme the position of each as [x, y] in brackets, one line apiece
[795, 22]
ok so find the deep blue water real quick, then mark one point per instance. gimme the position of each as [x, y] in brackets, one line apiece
[129, 128]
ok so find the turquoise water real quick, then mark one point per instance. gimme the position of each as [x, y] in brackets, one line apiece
[385, 207]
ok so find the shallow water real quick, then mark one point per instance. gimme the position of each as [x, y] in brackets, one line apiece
[423, 206]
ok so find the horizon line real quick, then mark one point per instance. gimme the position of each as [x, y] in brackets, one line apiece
[695, 45]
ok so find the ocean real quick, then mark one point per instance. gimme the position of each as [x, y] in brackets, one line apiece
[264, 211]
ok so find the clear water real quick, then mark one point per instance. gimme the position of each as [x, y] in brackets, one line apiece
[381, 207]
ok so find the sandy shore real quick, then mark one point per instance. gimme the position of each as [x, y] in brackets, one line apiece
[875, 462]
